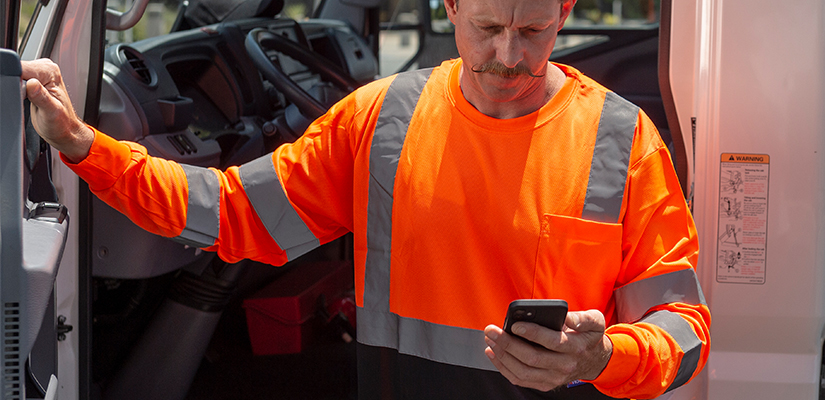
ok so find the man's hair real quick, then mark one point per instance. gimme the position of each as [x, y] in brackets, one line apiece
[496, 67]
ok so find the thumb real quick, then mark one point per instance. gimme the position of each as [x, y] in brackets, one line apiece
[38, 94]
[585, 321]
[41, 102]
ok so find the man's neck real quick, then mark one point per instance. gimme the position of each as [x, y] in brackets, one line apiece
[531, 101]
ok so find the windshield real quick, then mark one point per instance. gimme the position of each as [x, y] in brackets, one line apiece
[401, 22]
[602, 14]
[160, 16]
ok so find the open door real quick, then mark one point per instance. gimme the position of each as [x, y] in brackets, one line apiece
[32, 238]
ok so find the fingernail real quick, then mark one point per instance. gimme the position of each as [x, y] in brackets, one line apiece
[492, 335]
[490, 355]
[519, 330]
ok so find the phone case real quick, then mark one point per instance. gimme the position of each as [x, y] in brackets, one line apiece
[547, 313]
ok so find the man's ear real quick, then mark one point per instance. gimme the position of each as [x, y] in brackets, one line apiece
[452, 7]
[566, 9]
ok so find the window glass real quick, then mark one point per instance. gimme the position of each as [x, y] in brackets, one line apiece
[398, 40]
[157, 20]
[26, 13]
[160, 16]
[614, 13]
[299, 9]
[438, 18]
[586, 13]
[606, 14]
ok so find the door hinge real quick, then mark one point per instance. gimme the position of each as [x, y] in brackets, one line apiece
[62, 328]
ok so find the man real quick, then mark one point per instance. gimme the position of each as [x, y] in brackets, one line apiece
[491, 178]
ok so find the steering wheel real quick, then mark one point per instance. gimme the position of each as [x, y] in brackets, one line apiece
[259, 39]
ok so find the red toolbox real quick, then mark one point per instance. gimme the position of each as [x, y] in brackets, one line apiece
[286, 316]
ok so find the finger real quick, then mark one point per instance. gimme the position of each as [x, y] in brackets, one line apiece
[500, 366]
[573, 320]
[43, 69]
[583, 330]
[503, 344]
[586, 321]
[29, 69]
[545, 337]
[47, 105]
[518, 373]
[39, 96]
[522, 353]
[524, 363]
[34, 89]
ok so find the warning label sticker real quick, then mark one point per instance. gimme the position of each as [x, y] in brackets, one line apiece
[743, 218]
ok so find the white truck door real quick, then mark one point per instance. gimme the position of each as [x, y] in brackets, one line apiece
[747, 81]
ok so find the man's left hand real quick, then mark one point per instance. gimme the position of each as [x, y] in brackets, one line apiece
[579, 352]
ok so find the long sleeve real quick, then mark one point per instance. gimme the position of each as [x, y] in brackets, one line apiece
[272, 209]
[662, 338]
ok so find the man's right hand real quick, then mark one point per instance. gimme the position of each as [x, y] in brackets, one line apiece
[579, 352]
[52, 113]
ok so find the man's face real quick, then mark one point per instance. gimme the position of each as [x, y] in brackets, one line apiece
[502, 42]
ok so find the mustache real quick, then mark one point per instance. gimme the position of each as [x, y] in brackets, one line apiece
[495, 67]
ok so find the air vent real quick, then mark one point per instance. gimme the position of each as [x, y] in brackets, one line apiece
[137, 65]
[12, 371]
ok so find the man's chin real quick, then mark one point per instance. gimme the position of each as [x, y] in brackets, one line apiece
[504, 93]
[504, 82]
[502, 89]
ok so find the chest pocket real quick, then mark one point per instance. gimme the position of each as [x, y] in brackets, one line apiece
[578, 259]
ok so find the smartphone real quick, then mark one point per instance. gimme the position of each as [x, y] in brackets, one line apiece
[547, 313]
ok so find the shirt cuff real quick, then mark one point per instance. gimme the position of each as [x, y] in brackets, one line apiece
[623, 362]
[107, 160]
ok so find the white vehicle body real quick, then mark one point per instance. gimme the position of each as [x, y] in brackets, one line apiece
[751, 74]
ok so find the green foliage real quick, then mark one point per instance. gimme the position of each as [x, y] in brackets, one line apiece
[439, 13]
[26, 11]
[600, 12]
[295, 11]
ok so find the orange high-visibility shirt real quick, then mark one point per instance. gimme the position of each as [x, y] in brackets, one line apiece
[484, 211]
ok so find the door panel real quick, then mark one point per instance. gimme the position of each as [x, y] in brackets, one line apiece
[32, 238]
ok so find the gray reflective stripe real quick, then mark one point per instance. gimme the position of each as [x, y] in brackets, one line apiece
[203, 207]
[611, 156]
[685, 337]
[285, 226]
[440, 343]
[634, 299]
[387, 141]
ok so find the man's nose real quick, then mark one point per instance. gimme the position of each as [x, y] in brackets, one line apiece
[509, 48]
